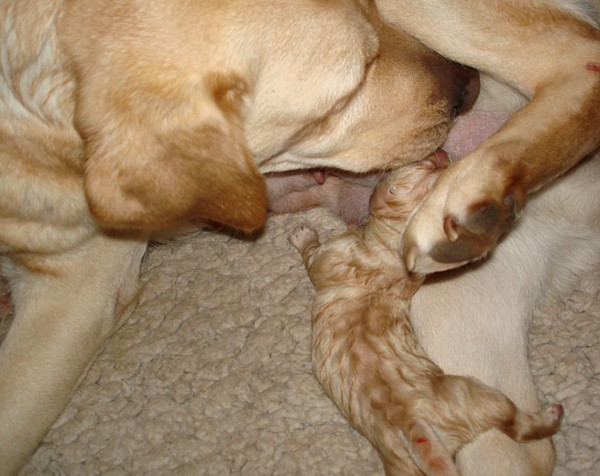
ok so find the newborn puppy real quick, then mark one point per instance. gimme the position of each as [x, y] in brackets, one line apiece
[365, 353]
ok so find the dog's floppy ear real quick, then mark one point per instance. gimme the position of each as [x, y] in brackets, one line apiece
[166, 152]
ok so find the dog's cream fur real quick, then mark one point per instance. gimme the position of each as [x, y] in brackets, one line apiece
[122, 118]
[365, 353]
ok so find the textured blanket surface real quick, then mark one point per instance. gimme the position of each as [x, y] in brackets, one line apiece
[211, 374]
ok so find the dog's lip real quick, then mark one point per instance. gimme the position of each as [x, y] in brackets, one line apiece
[441, 158]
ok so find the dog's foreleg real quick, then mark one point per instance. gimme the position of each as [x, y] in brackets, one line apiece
[548, 53]
[65, 307]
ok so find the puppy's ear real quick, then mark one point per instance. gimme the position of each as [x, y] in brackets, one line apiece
[159, 154]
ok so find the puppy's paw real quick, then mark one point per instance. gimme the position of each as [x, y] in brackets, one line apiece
[554, 415]
[461, 220]
[302, 235]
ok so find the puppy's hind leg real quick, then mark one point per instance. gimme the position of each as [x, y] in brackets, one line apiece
[476, 408]
[428, 452]
[66, 305]
[494, 409]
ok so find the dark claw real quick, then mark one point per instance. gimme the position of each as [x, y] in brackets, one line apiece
[463, 249]
[484, 220]
[474, 238]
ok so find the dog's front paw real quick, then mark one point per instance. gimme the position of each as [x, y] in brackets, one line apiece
[460, 221]
[301, 235]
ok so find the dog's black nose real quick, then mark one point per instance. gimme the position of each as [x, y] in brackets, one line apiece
[469, 93]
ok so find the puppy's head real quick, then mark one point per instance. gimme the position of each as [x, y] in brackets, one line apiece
[401, 191]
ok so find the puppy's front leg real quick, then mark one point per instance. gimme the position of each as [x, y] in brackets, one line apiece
[66, 306]
[306, 241]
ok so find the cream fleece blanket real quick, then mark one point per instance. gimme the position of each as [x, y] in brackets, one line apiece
[211, 374]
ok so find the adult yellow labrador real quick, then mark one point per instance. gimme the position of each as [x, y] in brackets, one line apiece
[123, 118]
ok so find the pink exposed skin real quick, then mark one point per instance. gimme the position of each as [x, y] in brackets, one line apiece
[471, 130]
[346, 194]
[593, 67]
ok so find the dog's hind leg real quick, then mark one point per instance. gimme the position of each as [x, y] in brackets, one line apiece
[66, 305]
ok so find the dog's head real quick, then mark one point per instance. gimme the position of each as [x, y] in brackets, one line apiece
[182, 105]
